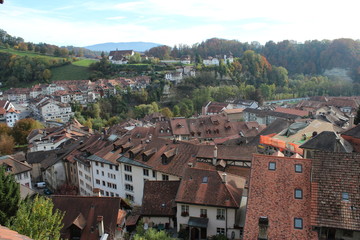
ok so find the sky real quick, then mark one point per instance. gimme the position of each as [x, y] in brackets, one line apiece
[172, 22]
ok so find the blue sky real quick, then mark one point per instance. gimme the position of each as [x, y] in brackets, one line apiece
[170, 22]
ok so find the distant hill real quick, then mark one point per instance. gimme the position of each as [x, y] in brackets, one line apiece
[136, 46]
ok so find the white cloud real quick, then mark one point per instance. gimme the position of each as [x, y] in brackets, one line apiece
[116, 18]
[232, 19]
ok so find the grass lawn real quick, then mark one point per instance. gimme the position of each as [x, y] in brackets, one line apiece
[23, 53]
[84, 62]
[70, 72]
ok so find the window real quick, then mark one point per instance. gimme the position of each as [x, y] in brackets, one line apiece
[130, 197]
[97, 171]
[220, 231]
[80, 173]
[220, 214]
[146, 172]
[298, 194]
[184, 210]
[154, 174]
[102, 173]
[114, 186]
[165, 177]
[110, 166]
[129, 187]
[102, 165]
[298, 223]
[128, 178]
[345, 196]
[298, 168]
[203, 213]
[272, 166]
[117, 168]
[96, 163]
[205, 180]
[98, 181]
[103, 182]
[127, 168]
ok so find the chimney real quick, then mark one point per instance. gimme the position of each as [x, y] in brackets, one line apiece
[351, 121]
[96, 192]
[100, 221]
[215, 155]
[223, 177]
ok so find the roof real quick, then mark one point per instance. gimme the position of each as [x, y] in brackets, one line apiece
[7, 234]
[159, 203]
[227, 152]
[353, 132]
[206, 187]
[332, 175]
[234, 110]
[292, 111]
[327, 141]
[275, 127]
[83, 212]
[271, 196]
[314, 126]
[16, 166]
[264, 113]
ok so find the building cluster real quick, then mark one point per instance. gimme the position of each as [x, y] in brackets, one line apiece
[288, 173]
[51, 102]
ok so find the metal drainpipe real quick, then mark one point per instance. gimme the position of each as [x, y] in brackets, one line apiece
[226, 230]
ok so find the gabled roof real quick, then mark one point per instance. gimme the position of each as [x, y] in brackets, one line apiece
[159, 198]
[83, 212]
[332, 175]
[206, 187]
[15, 166]
[327, 141]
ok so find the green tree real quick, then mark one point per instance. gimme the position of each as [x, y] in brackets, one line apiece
[23, 127]
[9, 196]
[152, 234]
[4, 129]
[37, 219]
[46, 74]
[167, 112]
[7, 144]
[176, 111]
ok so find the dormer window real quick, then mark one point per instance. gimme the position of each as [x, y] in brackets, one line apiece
[345, 196]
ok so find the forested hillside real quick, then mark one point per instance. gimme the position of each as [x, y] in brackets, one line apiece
[311, 57]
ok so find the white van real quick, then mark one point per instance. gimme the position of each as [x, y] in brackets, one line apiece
[40, 184]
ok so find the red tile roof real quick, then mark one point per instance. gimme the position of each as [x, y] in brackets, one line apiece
[300, 113]
[271, 195]
[90, 208]
[206, 187]
[334, 174]
[159, 203]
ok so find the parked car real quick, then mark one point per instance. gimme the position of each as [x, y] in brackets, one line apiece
[47, 191]
[40, 184]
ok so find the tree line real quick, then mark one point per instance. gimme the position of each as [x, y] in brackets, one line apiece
[310, 57]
